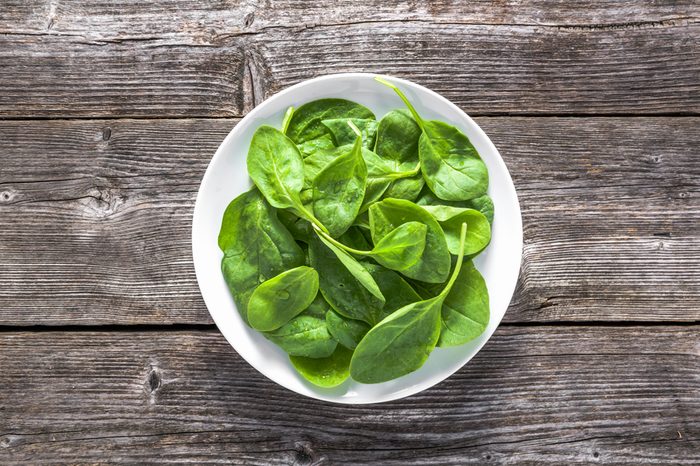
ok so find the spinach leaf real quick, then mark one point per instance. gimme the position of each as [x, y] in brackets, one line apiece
[434, 264]
[400, 249]
[343, 134]
[256, 246]
[304, 335]
[325, 372]
[483, 204]
[306, 123]
[451, 220]
[276, 167]
[348, 332]
[465, 312]
[300, 228]
[317, 308]
[451, 165]
[397, 291]
[352, 265]
[310, 147]
[345, 293]
[402, 342]
[397, 142]
[277, 300]
[338, 190]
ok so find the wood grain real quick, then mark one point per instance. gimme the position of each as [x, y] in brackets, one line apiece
[88, 60]
[95, 218]
[95, 19]
[547, 394]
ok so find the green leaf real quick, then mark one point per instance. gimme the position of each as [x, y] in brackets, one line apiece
[483, 204]
[450, 164]
[354, 267]
[304, 335]
[402, 342]
[277, 300]
[325, 372]
[318, 307]
[306, 123]
[451, 220]
[322, 143]
[343, 134]
[434, 264]
[348, 332]
[276, 167]
[300, 228]
[399, 344]
[465, 312]
[338, 190]
[397, 291]
[340, 288]
[397, 142]
[256, 246]
[401, 248]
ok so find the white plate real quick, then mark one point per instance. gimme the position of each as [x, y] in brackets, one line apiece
[226, 177]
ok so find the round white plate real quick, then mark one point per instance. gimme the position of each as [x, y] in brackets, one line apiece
[226, 177]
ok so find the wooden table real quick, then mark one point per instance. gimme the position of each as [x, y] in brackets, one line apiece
[110, 112]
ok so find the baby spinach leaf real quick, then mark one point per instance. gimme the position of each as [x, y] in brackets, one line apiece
[451, 165]
[306, 123]
[299, 228]
[352, 265]
[338, 190]
[325, 372]
[397, 291]
[483, 204]
[276, 167]
[397, 142]
[256, 246]
[343, 134]
[465, 312]
[400, 249]
[345, 293]
[434, 264]
[304, 335]
[451, 220]
[348, 332]
[322, 143]
[355, 239]
[318, 307]
[277, 300]
[402, 342]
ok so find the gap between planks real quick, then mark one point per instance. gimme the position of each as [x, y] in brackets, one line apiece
[214, 328]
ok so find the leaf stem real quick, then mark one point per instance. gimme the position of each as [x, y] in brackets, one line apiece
[310, 217]
[355, 129]
[458, 265]
[340, 245]
[287, 118]
[398, 91]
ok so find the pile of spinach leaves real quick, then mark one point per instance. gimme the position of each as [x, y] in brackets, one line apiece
[354, 251]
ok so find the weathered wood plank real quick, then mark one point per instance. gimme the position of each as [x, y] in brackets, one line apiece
[208, 71]
[610, 209]
[558, 395]
[121, 19]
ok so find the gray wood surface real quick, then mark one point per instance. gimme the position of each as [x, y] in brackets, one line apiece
[546, 394]
[168, 59]
[110, 112]
[610, 208]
